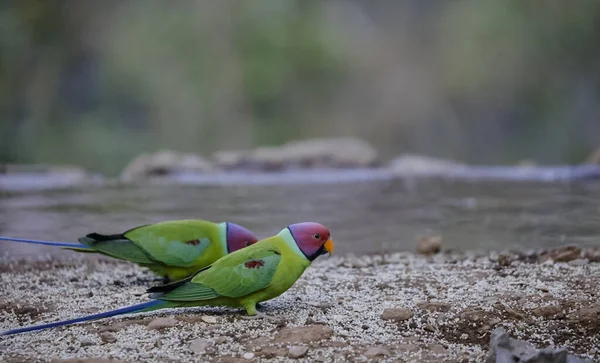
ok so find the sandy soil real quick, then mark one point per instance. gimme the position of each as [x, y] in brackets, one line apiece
[397, 308]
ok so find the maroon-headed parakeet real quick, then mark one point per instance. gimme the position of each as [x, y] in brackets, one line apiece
[172, 249]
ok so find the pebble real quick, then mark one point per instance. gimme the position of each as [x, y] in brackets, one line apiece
[547, 311]
[220, 340]
[108, 338]
[434, 306]
[87, 342]
[162, 323]
[199, 345]
[303, 334]
[563, 254]
[298, 351]
[429, 245]
[248, 356]
[209, 319]
[376, 352]
[579, 262]
[396, 314]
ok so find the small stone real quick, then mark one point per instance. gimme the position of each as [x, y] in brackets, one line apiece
[162, 323]
[221, 340]
[199, 345]
[324, 306]
[87, 342]
[90, 294]
[434, 306]
[563, 254]
[376, 352]
[408, 347]
[248, 356]
[396, 314]
[546, 311]
[271, 352]
[297, 351]
[579, 262]
[303, 334]
[429, 245]
[505, 260]
[107, 338]
[437, 349]
[365, 327]
[209, 319]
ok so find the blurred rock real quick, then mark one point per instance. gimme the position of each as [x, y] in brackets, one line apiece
[297, 351]
[301, 154]
[562, 254]
[108, 338]
[303, 334]
[39, 176]
[396, 314]
[429, 245]
[506, 349]
[163, 163]
[199, 345]
[592, 254]
[527, 163]
[376, 352]
[423, 165]
[594, 158]
[162, 323]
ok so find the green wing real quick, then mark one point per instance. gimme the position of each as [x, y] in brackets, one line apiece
[234, 275]
[175, 243]
[115, 246]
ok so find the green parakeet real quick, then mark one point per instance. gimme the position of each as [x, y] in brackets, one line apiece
[241, 279]
[173, 249]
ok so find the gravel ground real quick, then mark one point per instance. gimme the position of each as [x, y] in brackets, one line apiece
[398, 308]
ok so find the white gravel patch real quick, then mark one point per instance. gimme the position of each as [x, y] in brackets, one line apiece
[455, 300]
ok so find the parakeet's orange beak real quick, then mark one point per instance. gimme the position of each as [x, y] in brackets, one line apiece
[329, 247]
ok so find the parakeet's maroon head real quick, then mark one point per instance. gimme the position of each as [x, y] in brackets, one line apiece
[238, 237]
[313, 239]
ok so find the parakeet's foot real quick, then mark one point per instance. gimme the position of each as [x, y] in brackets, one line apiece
[259, 316]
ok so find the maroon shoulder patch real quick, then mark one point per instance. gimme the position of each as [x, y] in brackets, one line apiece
[254, 264]
[193, 242]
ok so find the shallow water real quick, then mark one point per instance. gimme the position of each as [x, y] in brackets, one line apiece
[368, 216]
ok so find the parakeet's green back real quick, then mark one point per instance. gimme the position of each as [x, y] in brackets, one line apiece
[178, 243]
[175, 249]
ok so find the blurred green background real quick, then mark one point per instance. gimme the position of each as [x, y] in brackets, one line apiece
[95, 83]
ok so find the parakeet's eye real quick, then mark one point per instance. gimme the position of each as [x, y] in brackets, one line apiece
[248, 243]
[317, 236]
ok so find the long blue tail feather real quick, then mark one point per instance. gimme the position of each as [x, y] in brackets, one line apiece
[107, 314]
[47, 243]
